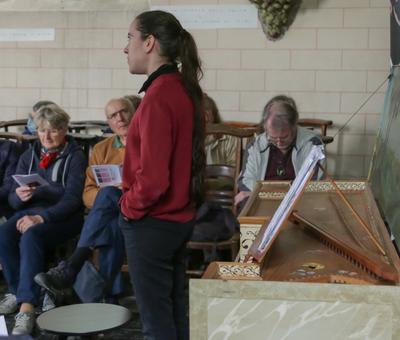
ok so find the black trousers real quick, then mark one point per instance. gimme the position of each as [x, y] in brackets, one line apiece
[156, 259]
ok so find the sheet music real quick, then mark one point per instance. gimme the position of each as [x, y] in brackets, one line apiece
[286, 206]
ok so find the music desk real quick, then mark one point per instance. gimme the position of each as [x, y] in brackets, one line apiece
[86, 319]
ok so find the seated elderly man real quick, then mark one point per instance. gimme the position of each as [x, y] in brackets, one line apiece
[279, 152]
[9, 154]
[101, 228]
[46, 215]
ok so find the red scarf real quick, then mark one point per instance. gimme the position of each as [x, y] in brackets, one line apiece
[47, 157]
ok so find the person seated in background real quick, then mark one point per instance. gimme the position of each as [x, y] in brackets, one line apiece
[46, 215]
[101, 229]
[30, 128]
[279, 152]
[219, 149]
[9, 154]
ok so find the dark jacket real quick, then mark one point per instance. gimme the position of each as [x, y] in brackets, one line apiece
[66, 176]
[9, 153]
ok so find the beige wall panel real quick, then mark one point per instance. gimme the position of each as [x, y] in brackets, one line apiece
[366, 17]
[316, 60]
[290, 80]
[265, 60]
[64, 58]
[255, 101]
[40, 77]
[240, 80]
[375, 79]
[19, 58]
[321, 103]
[366, 60]
[351, 102]
[220, 59]
[319, 18]
[343, 3]
[242, 38]
[8, 78]
[107, 58]
[89, 38]
[379, 38]
[209, 80]
[342, 38]
[296, 38]
[341, 81]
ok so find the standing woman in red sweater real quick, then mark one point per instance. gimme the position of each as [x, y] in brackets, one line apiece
[163, 170]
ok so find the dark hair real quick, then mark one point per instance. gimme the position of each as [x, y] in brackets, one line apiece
[40, 104]
[289, 113]
[210, 105]
[179, 47]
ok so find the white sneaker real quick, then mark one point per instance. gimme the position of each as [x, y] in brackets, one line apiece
[24, 323]
[9, 304]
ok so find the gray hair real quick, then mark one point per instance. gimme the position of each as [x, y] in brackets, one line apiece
[287, 113]
[53, 116]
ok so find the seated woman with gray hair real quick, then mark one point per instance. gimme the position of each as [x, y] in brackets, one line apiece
[280, 150]
[46, 215]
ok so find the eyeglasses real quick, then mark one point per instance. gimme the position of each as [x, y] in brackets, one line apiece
[281, 139]
[113, 116]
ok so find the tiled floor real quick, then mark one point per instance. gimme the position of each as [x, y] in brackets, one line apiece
[130, 330]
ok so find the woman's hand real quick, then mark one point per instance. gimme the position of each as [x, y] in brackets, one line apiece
[24, 223]
[25, 193]
[241, 196]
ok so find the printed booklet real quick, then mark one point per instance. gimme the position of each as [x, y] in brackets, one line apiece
[105, 175]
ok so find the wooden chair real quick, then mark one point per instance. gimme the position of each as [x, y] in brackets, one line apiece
[224, 197]
[9, 123]
[320, 125]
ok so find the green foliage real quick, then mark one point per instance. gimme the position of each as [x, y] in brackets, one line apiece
[276, 15]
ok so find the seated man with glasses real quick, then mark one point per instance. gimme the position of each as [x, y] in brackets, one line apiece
[279, 152]
[101, 228]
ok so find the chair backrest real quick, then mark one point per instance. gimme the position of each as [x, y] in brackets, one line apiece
[221, 195]
[225, 173]
[9, 123]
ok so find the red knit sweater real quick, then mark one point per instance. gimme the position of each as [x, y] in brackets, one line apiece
[158, 156]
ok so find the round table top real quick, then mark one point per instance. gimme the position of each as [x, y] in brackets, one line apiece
[84, 318]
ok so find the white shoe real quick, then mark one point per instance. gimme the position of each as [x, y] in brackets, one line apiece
[9, 304]
[24, 323]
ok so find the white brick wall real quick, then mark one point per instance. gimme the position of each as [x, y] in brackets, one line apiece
[332, 58]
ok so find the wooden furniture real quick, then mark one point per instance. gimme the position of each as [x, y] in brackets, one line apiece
[85, 126]
[17, 122]
[320, 125]
[323, 241]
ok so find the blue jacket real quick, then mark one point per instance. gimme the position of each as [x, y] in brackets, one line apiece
[9, 152]
[66, 176]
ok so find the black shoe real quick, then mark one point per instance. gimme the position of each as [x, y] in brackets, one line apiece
[56, 281]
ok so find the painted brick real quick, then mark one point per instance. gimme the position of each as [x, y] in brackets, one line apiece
[375, 79]
[240, 116]
[240, 80]
[379, 38]
[8, 78]
[8, 113]
[64, 58]
[97, 98]
[18, 97]
[366, 17]
[221, 59]
[40, 77]
[209, 80]
[341, 122]
[89, 38]
[33, 19]
[242, 38]
[379, 3]
[120, 38]
[316, 60]
[19, 58]
[205, 38]
[123, 79]
[346, 167]
[255, 101]
[366, 60]
[255, 59]
[226, 101]
[290, 80]
[351, 102]
[341, 81]
[343, 3]
[318, 102]
[74, 97]
[342, 38]
[319, 18]
[107, 59]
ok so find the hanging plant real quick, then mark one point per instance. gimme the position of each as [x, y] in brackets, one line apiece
[276, 16]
